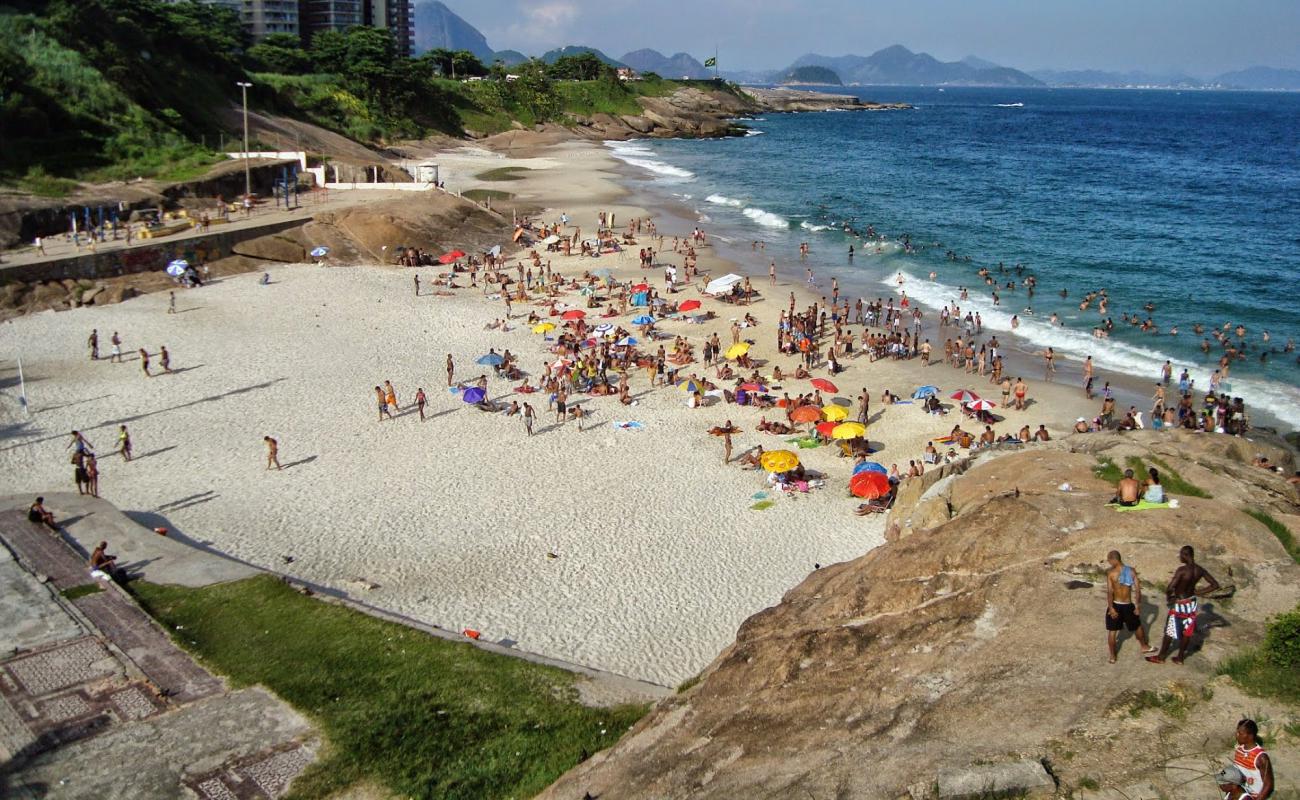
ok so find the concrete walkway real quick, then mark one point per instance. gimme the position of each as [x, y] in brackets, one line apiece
[87, 678]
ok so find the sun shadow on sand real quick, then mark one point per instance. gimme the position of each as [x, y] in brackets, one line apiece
[186, 502]
[44, 409]
[299, 462]
[155, 452]
[145, 415]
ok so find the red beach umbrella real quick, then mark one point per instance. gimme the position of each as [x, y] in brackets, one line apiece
[869, 485]
[689, 305]
[641, 287]
[965, 396]
[806, 414]
[825, 428]
[982, 405]
[454, 255]
[576, 313]
[824, 385]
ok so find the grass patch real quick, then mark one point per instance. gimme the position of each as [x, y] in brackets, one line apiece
[1256, 675]
[1107, 470]
[479, 195]
[688, 684]
[74, 592]
[419, 715]
[503, 174]
[1175, 704]
[39, 182]
[1171, 480]
[1282, 532]
[596, 97]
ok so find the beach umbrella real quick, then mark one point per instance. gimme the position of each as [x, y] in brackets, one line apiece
[870, 466]
[869, 485]
[576, 313]
[454, 255]
[626, 341]
[849, 430]
[552, 239]
[824, 385]
[692, 386]
[495, 251]
[177, 268]
[723, 284]
[644, 319]
[320, 252]
[779, 460]
[603, 328]
[561, 363]
[737, 350]
[492, 360]
[835, 413]
[982, 405]
[473, 395]
[753, 387]
[806, 414]
[826, 428]
[689, 305]
[545, 327]
[965, 396]
[925, 391]
[641, 287]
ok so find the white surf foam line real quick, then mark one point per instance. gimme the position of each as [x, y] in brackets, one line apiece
[638, 155]
[1280, 400]
[808, 226]
[723, 200]
[766, 218]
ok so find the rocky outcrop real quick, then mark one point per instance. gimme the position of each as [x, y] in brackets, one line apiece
[786, 100]
[976, 640]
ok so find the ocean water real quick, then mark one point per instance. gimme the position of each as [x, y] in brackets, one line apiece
[1186, 200]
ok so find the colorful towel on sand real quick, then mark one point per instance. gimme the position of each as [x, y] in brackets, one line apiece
[1141, 506]
[805, 443]
[628, 426]
[763, 505]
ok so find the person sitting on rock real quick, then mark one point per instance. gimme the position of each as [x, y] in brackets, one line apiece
[38, 513]
[1128, 490]
[102, 561]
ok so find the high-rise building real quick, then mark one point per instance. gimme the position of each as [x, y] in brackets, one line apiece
[328, 15]
[396, 16]
[265, 17]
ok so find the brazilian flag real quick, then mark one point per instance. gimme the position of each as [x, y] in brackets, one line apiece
[711, 62]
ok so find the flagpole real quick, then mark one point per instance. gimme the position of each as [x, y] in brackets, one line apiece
[22, 388]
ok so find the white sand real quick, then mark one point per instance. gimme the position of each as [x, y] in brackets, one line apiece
[659, 555]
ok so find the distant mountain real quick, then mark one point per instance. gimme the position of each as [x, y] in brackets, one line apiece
[1261, 78]
[979, 63]
[1104, 79]
[899, 66]
[551, 56]
[437, 26]
[820, 76]
[510, 57]
[680, 65]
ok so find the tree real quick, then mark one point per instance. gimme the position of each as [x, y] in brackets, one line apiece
[456, 63]
[280, 52]
[580, 67]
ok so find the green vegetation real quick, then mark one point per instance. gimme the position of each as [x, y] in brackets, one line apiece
[1272, 669]
[479, 195]
[503, 174]
[1171, 702]
[822, 76]
[39, 182]
[1109, 471]
[75, 592]
[1282, 532]
[418, 715]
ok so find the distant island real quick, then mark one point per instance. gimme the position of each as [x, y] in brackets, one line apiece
[814, 75]
[899, 66]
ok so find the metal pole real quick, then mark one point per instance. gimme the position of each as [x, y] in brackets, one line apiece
[22, 388]
[248, 170]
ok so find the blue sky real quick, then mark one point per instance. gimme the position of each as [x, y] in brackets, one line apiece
[1200, 37]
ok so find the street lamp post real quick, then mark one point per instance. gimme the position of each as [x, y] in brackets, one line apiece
[248, 174]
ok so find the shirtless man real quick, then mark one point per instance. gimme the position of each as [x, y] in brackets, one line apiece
[529, 417]
[164, 358]
[1123, 601]
[144, 362]
[92, 475]
[272, 453]
[1128, 490]
[451, 370]
[382, 401]
[93, 344]
[1020, 389]
[1181, 593]
[115, 356]
[102, 561]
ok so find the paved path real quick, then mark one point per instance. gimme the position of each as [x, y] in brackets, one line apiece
[104, 685]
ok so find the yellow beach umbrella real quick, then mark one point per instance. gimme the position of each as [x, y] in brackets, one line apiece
[779, 461]
[545, 327]
[849, 430]
[738, 350]
[835, 413]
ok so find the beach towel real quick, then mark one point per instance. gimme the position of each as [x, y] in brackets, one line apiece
[628, 426]
[763, 505]
[1141, 506]
[805, 443]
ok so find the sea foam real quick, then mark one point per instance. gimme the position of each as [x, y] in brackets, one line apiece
[721, 200]
[766, 218]
[638, 155]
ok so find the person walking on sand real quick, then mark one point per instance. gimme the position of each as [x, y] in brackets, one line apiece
[1049, 357]
[451, 370]
[272, 453]
[1180, 625]
[93, 344]
[92, 475]
[383, 404]
[1021, 389]
[578, 415]
[726, 432]
[864, 406]
[561, 408]
[529, 417]
[115, 355]
[420, 401]
[390, 396]
[144, 362]
[171, 302]
[417, 284]
[164, 358]
[1123, 605]
[771, 273]
[124, 443]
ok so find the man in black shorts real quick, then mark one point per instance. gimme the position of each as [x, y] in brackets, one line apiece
[1123, 599]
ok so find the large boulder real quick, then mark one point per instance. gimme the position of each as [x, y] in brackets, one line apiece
[272, 248]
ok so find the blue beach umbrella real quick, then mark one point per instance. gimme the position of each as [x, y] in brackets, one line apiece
[492, 360]
[320, 252]
[870, 466]
[177, 268]
[626, 341]
[644, 319]
[925, 391]
[473, 395]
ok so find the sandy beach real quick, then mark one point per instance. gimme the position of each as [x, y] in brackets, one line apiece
[634, 551]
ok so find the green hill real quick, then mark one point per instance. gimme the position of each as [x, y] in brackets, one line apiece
[821, 76]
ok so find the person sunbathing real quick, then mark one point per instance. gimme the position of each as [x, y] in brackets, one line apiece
[753, 459]
[777, 427]
[800, 373]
